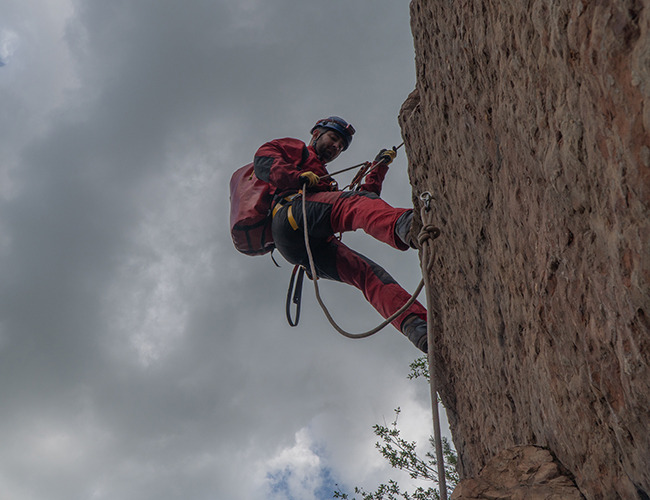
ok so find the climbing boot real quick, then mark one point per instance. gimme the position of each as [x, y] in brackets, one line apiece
[415, 329]
[403, 229]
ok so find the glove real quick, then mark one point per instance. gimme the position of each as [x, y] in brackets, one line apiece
[310, 178]
[386, 156]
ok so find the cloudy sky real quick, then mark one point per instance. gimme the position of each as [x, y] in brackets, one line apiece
[142, 357]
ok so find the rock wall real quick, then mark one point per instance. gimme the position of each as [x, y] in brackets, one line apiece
[530, 126]
[522, 472]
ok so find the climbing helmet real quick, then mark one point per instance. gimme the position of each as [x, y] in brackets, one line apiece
[339, 125]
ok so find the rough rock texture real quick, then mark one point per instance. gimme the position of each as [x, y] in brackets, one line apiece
[530, 126]
[520, 473]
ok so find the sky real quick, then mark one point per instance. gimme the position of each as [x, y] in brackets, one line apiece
[141, 356]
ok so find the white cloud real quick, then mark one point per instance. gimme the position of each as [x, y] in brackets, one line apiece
[8, 45]
[296, 472]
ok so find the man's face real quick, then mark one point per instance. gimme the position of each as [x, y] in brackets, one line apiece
[328, 145]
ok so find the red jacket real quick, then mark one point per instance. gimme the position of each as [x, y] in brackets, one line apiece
[281, 161]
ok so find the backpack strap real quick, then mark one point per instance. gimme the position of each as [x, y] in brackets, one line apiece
[278, 198]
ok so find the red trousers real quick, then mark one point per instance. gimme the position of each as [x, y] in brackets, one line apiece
[332, 212]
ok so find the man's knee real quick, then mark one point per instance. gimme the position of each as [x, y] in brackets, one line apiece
[365, 194]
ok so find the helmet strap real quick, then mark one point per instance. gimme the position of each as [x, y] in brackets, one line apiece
[314, 141]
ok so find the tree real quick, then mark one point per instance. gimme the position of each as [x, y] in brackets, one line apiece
[402, 455]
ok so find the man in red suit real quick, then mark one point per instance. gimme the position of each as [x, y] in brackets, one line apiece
[288, 165]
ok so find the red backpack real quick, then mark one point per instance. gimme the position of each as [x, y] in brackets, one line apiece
[250, 212]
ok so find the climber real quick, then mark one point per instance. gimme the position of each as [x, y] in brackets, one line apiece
[289, 164]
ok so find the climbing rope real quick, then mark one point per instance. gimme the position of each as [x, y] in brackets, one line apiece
[347, 169]
[428, 233]
[314, 277]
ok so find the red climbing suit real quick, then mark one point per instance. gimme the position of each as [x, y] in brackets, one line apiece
[330, 211]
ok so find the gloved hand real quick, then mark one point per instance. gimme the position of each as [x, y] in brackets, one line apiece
[310, 178]
[386, 156]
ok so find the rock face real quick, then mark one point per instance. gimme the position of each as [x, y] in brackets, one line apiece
[520, 473]
[530, 126]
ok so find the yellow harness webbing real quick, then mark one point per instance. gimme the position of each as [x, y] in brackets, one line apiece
[282, 202]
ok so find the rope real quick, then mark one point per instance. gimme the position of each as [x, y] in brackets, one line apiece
[312, 267]
[395, 148]
[428, 233]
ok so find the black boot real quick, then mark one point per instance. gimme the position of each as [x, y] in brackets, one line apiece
[415, 329]
[403, 229]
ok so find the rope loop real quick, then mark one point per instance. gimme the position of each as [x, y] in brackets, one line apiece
[428, 232]
[312, 269]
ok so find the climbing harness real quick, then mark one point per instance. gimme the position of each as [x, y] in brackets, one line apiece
[281, 203]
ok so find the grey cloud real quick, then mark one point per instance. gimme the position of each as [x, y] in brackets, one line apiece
[140, 355]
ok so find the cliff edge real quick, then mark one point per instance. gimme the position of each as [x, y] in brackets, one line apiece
[530, 126]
